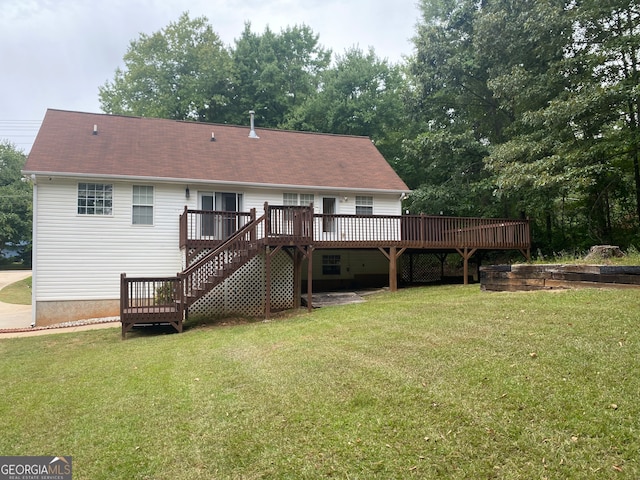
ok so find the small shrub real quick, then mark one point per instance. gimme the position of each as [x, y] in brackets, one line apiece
[165, 294]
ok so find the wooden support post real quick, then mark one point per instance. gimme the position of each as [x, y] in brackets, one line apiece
[466, 266]
[411, 268]
[393, 270]
[443, 258]
[309, 278]
[466, 255]
[297, 277]
[393, 256]
[267, 222]
[269, 252]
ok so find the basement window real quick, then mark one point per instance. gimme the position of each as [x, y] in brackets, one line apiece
[142, 209]
[95, 199]
[331, 264]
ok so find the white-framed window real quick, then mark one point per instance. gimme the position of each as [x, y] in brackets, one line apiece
[95, 199]
[306, 199]
[331, 264]
[142, 205]
[364, 205]
[292, 199]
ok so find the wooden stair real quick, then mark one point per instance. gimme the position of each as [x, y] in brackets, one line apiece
[157, 301]
[215, 267]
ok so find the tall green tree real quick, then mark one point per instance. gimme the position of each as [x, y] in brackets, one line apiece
[456, 110]
[15, 198]
[445, 168]
[578, 150]
[548, 89]
[360, 94]
[608, 43]
[275, 72]
[534, 37]
[181, 72]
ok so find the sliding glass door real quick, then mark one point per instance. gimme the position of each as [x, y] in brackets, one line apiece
[224, 222]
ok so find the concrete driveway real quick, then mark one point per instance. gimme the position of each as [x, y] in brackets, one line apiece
[14, 316]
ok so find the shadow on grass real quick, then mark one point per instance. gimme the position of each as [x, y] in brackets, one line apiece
[207, 323]
[204, 322]
[150, 331]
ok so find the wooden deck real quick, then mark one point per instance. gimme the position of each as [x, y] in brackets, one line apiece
[151, 301]
[216, 244]
[299, 226]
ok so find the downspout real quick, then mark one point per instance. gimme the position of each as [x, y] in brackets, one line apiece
[403, 197]
[34, 240]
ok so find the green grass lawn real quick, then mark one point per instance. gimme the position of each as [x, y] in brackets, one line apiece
[437, 382]
[18, 292]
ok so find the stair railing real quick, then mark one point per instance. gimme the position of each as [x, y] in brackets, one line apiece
[204, 274]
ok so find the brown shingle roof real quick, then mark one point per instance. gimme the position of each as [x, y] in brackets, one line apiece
[148, 147]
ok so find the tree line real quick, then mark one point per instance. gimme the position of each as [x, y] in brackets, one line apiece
[505, 108]
[288, 78]
[529, 108]
[15, 206]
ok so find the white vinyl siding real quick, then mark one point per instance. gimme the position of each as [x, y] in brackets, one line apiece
[81, 257]
[385, 204]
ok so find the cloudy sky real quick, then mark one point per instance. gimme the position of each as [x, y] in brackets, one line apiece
[56, 53]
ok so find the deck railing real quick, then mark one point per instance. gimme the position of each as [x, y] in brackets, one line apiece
[210, 226]
[147, 300]
[200, 277]
[288, 224]
[357, 230]
[150, 293]
[293, 225]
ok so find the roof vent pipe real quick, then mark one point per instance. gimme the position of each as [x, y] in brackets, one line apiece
[252, 133]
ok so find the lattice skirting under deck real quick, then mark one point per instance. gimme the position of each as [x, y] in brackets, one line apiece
[420, 268]
[244, 292]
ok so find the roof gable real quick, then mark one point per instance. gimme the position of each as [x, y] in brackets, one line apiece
[179, 150]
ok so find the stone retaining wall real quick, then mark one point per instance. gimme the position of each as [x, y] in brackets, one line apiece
[511, 278]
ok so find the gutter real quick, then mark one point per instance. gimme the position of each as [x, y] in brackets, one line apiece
[267, 186]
